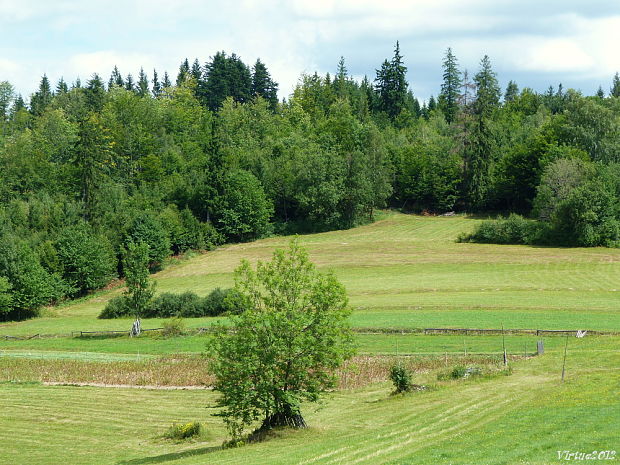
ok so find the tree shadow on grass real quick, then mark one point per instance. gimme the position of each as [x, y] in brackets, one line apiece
[171, 456]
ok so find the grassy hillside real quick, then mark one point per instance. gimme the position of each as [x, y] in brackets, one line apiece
[407, 271]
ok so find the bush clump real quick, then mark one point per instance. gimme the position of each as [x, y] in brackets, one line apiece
[185, 305]
[183, 431]
[512, 230]
[401, 377]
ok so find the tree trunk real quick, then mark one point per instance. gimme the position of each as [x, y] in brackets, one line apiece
[287, 416]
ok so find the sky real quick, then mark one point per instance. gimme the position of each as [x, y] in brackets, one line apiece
[536, 43]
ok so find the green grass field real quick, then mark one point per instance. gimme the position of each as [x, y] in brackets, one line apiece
[403, 272]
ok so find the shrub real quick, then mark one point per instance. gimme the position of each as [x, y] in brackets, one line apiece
[401, 378]
[512, 230]
[116, 308]
[461, 372]
[184, 431]
[222, 301]
[173, 327]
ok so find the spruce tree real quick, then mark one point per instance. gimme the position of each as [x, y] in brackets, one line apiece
[512, 91]
[61, 87]
[449, 96]
[183, 72]
[391, 85]
[143, 84]
[116, 79]
[129, 83]
[600, 93]
[166, 82]
[478, 149]
[42, 98]
[196, 71]
[615, 86]
[95, 93]
[156, 84]
[263, 85]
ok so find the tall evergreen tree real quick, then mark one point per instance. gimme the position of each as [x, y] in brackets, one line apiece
[61, 87]
[263, 85]
[183, 72]
[615, 86]
[129, 83]
[116, 79]
[166, 82]
[450, 89]
[156, 84]
[600, 93]
[512, 91]
[42, 98]
[478, 150]
[487, 88]
[143, 84]
[391, 85]
[196, 71]
[95, 93]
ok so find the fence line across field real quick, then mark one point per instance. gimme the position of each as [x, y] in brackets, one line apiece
[401, 331]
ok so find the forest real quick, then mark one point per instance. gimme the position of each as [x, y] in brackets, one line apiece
[89, 169]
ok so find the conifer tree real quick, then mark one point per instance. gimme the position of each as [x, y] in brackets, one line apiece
[61, 87]
[449, 96]
[116, 79]
[166, 82]
[183, 72]
[512, 91]
[143, 84]
[42, 98]
[263, 85]
[95, 93]
[478, 150]
[391, 85]
[156, 84]
[600, 93]
[196, 71]
[615, 86]
[129, 83]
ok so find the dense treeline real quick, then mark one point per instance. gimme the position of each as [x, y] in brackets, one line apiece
[88, 169]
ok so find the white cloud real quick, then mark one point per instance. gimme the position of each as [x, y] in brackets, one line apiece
[102, 62]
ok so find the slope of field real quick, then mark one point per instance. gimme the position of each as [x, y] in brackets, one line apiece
[407, 271]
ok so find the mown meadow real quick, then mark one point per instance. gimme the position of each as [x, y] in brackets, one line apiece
[402, 272]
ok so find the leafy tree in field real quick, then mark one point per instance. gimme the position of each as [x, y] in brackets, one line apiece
[450, 89]
[140, 286]
[283, 349]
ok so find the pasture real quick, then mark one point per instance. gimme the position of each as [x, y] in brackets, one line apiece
[401, 272]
